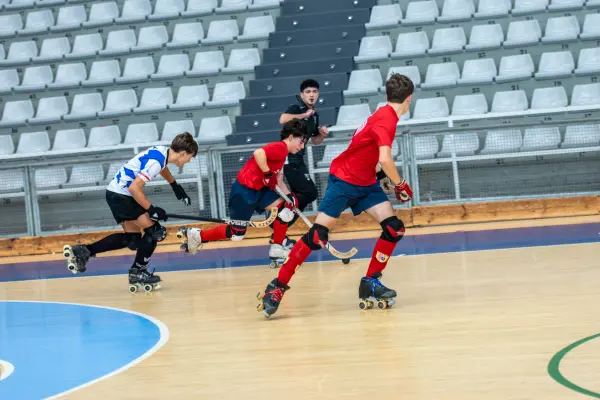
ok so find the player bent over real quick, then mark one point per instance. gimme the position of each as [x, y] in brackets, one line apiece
[353, 183]
[134, 212]
[253, 190]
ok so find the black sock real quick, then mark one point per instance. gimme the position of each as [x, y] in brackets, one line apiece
[115, 241]
[145, 249]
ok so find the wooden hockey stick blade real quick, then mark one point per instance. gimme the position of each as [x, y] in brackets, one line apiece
[254, 224]
[349, 254]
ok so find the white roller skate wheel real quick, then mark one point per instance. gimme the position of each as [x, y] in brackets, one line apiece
[157, 286]
[184, 248]
[266, 314]
[274, 264]
[148, 287]
[382, 305]
[132, 288]
[260, 307]
[363, 305]
[67, 254]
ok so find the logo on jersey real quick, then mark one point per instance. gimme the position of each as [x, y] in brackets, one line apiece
[381, 257]
[360, 128]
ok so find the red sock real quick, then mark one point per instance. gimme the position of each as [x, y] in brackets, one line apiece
[279, 231]
[381, 254]
[216, 233]
[299, 253]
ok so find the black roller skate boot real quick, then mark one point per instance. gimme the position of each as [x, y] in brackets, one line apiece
[77, 257]
[371, 289]
[139, 277]
[271, 297]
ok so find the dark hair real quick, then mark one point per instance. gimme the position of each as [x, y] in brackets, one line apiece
[398, 88]
[308, 83]
[295, 128]
[185, 142]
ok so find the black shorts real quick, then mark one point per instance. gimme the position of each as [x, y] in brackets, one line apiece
[300, 183]
[123, 208]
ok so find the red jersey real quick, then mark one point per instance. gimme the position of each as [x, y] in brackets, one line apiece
[251, 175]
[357, 163]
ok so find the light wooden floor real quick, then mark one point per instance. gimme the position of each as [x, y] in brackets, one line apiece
[475, 325]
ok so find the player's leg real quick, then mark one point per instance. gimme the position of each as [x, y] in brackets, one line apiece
[242, 203]
[336, 199]
[153, 233]
[377, 205]
[123, 208]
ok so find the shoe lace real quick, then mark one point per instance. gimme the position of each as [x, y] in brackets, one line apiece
[276, 294]
[376, 283]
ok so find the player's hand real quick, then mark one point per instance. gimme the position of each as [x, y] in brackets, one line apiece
[309, 113]
[385, 182]
[180, 193]
[293, 203]
[157, 213]
[324, 131]
[270, 179]
[403, 192]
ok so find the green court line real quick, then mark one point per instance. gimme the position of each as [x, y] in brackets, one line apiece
[554, 367]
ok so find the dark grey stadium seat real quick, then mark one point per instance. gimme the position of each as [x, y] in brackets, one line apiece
[261, 105]
[311, 52]
[322, 35]
[317, 6]
[304, 68]
[270, 122]
[283, 86]
[315, 21]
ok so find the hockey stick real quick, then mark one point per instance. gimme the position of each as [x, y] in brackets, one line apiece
[332, 250]
[258, 224]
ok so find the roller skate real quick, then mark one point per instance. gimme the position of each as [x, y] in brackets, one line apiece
[192, 242]
[77, 257]
[287, 242]
[271, 297]
[139, 277]
[278, 254]
[371, 289]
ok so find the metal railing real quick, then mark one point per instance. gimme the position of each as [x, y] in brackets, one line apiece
[531, 155]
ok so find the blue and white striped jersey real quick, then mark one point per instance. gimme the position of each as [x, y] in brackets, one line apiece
[147, 165]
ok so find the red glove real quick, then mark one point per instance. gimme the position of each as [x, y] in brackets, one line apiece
[403, 192]
[270, 179]
[294, 202]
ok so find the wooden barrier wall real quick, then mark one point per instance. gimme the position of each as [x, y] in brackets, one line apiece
[412, 217]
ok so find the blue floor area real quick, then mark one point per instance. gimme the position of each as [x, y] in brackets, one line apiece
[56, 347]
[257, 255]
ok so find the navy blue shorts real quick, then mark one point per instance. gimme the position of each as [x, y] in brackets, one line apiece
[243, 201]
[341, 195]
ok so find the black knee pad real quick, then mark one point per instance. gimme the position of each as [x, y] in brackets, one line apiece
[157, 232]
[393, 229]
[235, 233]
[316, 238]
[130, 240]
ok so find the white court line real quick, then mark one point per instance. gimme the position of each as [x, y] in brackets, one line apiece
[164, 337]
[6, 369]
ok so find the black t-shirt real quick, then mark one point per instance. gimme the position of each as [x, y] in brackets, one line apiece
[313, 129]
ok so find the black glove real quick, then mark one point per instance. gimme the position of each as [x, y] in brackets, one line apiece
[157, 213]
[180, 193]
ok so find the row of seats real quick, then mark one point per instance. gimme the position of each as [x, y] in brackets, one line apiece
[552, 65]
[136, 69]
[121, 42]
[211, 130]
[423, 12]
[103, 13]
[90, 174]
[494, 142]
[120, 102]
[450, 40]
[476, 104]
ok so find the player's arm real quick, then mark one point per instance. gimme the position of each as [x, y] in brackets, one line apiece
[177, 188]
[294, 112]
[166, 174]
[137, 190]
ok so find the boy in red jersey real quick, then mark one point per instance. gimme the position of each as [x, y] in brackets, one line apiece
[253, 190]
[353, 183]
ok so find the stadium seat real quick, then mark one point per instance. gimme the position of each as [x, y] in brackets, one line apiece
[493, 8]
[104, 136]
[102, 13]
[191, 97]
[172, 66]
[50, 110]
[591, 27]
[464, 144]
[426, 147]
[510, 101]
[38, 22]
[552, 97]
[457, 10]
[7, 145]
[581, 136]
[186, 34]
[586, 95]
[515, 68]
[421, 12]
[331, 151]
[50, 177]
[118, 103]
[119, 42]
[85, 106]
[214, 130]
[352, 116]
[134, 11]
[588, 61]
[364, 82]
[560, 29]
[36, 78]
[441, 75]
[165, 9]
[33, 142]
[69, 139]
[20, 52]
[411, 44]
[541, 139]
[227, 94]
[86, 45]
[137, 69]
[154, 100]
[411, 71]
[11, 180]
[523, 33]
[529, 6]
[448, 40]
[503, 141]
[16, 112]
[174, 128]
[470, 104]
[10, 24]
[221, 32]
[9, 79]
[557, 64]
[242, 61]
[151, 38]
[382, 16]
[208, 63]
[141, 133]
[257, 28]
[86, 174]
[374, 48]
[69, 75]
[70, 18]
[435, 107]
[54, 49]
[484, 37]
[478, 71]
